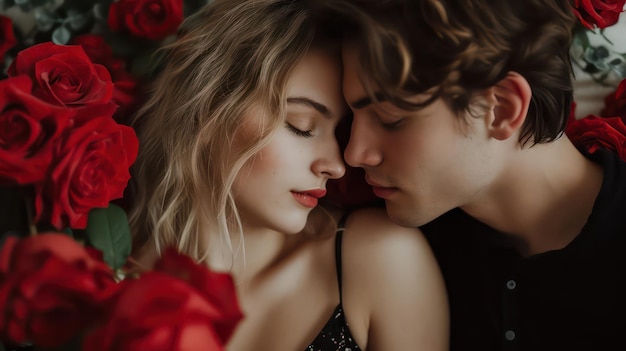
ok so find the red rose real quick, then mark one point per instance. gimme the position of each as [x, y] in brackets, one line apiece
[7, 37]
[96, 48]
[63, 74]
[50, 287]
[127, 95]
[592, 133]
[28, 129]
[126, 92]
[598, 13]
[615, 103]
[215, 287]
[160, 312]
[151, 19]
[125, 86]
[90, 170]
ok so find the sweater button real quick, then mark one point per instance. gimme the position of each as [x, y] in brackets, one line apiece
[509, 335]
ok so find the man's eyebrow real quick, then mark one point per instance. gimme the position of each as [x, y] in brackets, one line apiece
[366, 101]
[319, 107]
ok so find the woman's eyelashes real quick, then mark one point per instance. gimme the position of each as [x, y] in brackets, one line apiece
[299, 132]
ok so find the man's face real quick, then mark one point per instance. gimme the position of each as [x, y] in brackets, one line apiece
[423, 163]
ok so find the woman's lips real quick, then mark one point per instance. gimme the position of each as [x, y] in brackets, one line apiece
[308, 198]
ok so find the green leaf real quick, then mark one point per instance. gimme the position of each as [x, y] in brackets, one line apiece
[61, 35]
[45, 19]
[108, 231]
[100, 11]
[68, 231]
[581, 37]
[77, 20]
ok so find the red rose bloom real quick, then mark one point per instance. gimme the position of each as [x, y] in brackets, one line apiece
[96, 48]
[7, 37]
[615, 103]
[160, 312]
[63, 74]
[598, 13]
[50, 287]
[125, 86]
[215, 287]
[28, 129]
[127, 95]
[126, 91]
[90, 170]
[151, 19]
[592, 133]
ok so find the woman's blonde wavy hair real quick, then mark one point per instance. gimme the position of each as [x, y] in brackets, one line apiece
[231, 58]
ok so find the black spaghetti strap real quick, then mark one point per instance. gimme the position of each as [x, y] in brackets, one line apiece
[338, 239]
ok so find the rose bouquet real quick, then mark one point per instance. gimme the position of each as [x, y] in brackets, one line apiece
[607, 129]
[66, 279]
[592, 51]
[120, 35]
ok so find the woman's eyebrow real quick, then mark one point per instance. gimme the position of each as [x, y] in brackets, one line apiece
[319, 107]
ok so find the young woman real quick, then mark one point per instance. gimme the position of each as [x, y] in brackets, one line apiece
[237, 145]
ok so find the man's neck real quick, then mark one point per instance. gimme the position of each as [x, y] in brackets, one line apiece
[543, 199]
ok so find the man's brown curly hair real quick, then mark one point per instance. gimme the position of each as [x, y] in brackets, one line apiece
[458, 48]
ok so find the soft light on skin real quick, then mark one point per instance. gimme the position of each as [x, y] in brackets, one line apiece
[277, 189]
[423, 163]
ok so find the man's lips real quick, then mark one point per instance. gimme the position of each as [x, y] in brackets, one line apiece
[375, 184]
[381, 190]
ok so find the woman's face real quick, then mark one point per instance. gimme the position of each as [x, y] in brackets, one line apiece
[280, 186]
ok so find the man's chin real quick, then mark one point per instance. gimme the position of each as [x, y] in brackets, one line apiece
[404, 219]
[404, 216]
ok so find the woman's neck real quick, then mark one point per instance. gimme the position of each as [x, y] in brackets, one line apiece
[254, 253]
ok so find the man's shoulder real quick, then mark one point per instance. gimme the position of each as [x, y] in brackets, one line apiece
[612, 196]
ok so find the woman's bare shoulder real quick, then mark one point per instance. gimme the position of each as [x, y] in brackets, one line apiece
[392, 279]
[374, 243]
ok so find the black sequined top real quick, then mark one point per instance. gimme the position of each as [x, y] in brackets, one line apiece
[335, 336]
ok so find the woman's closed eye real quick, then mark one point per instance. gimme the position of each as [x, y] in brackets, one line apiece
[299, 132]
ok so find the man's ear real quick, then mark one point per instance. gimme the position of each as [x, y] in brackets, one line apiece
[512, 95]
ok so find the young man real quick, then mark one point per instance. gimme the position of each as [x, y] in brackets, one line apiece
[459, 111]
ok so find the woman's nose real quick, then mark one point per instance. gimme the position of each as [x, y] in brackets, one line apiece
[330, 163]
